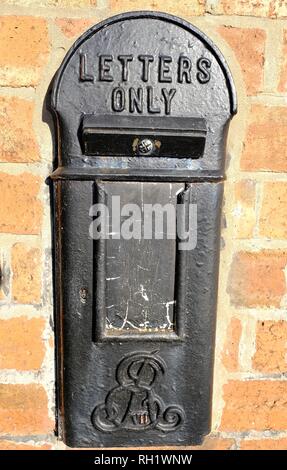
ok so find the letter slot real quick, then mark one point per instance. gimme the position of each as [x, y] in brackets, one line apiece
[169, 137]
[141, 123]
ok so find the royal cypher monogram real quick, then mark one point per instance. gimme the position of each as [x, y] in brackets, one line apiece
[143, 98]
[133, 403]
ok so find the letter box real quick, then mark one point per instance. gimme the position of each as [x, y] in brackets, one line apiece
[142, 103]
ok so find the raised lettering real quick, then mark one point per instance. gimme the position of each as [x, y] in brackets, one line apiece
[146, 61]
[184, 69]
[150, 102]
[136, 100]
[125, 59]
[118, 99]
[164, 69]
[104, 68]
[203, 66]
[168, 96]
[84, 76]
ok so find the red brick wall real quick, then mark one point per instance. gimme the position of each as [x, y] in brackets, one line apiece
[250, 388]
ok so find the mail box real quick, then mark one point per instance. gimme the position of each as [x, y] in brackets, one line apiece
[141, 105]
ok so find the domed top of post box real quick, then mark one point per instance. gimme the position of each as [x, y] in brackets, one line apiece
[143, 92]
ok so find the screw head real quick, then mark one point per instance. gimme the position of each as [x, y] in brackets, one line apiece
[145, 146]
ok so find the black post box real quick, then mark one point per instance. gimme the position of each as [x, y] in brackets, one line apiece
[142, 104]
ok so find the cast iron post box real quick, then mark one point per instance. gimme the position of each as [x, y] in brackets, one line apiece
[142, 104]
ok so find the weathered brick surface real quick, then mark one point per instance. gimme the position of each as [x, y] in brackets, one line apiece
[244, 213]
[257, 279]
[273, 223]
[255, 405]
[26, 269]
[184, 7]
[10, 445]
[215, 443]
[21, 346]
[23, 410]
[248, 46]
[271, 347]
[24, 48]
[264, 444]
[264, 8]
[282, 87]
[265, 146]
[20, 208]
[71, 27]
[231, 348]
[17, 139]
[53, 3]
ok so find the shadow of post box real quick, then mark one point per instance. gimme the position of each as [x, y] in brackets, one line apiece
[142, 104]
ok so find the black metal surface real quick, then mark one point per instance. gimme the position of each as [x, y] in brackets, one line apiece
[121, 135]
[142, 104]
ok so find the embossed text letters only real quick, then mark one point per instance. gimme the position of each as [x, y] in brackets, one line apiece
[148, 68]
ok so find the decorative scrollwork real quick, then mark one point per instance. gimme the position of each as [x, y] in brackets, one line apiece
[133, 404]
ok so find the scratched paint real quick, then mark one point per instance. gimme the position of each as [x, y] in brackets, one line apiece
[140, 274]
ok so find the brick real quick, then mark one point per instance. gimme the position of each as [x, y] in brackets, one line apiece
[52, 3]
[256, 279]
[244, 214]
[23, 410]
[248, 46]
[20, 208]
[26, 281]
[17, 139]
[10, 445]
[282, 87]
[183, 8]
[271, 347]
[24, 49]
[264, 8]
[264, 444]
[21, 346]
[72, 28]
[214, 443]
[257, 405]
[265, 145]
[231, 347]
[273, 223]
